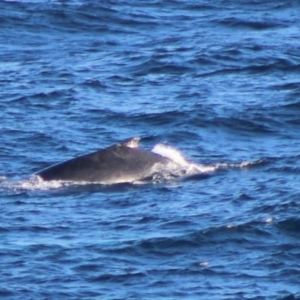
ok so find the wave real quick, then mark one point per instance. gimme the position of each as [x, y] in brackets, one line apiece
[229, 234]
[291, 225]
[264, 24]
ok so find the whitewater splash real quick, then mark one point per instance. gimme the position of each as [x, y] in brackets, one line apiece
[176, 156]
[29, 184]
[192, 168]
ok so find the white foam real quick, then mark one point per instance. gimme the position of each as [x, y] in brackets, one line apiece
[177, 157]
[171, 153]
[30, 184]
[241, 165]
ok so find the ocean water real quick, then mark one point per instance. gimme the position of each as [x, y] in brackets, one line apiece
[218, 80]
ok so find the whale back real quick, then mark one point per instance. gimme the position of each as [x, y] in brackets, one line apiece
[124, 162]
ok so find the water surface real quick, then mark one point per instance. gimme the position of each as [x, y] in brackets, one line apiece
[219, 81]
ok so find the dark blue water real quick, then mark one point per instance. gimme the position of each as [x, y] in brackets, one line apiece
[218, 80]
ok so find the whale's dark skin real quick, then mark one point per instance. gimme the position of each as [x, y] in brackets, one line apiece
[121, 163]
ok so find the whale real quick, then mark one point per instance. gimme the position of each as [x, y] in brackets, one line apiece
[124, 162]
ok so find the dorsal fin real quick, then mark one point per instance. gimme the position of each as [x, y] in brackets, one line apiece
[131, 143]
